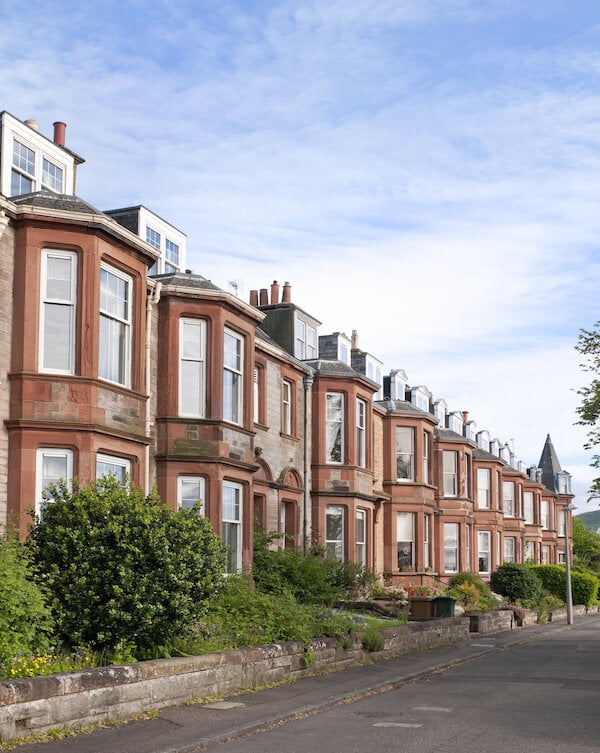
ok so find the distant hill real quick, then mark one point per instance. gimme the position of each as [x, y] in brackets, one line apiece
[591, 520]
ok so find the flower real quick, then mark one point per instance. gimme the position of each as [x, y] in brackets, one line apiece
[420, 590]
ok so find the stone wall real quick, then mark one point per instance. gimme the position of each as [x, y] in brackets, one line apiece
[75, 699]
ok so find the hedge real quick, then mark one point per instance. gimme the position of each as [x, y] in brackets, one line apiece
[584, 586]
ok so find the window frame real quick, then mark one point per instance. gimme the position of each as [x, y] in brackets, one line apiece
[486, 503]
[233, 399]
[70, 303]
[330, 424]
[405, 540]
[510, 542]
[361, 433]
[484, 552]
[450, 475]
[125, 352]
[116, 461]
[40, 454]
[405, 453]
[234, 557]
[451, 549]
[335, 548]
[509, 509]
[287, 392]
[200, 359]
[360, 544]
[181, 501]
[529, 507]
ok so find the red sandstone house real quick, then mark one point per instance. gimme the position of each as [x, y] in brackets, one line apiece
[115, 359]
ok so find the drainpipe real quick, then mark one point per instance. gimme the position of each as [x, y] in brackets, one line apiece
[307, 382]
[151, 300]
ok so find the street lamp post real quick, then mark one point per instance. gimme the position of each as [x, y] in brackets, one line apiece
[569, 591]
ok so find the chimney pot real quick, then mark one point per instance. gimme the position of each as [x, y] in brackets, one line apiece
[275, 292]
[254, 297]
[465, 415]
[354, 339]
[59, 133]
[286, 296]
[32, 124]
[264, 297]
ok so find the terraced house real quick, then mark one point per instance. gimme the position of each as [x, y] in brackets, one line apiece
[114, 358]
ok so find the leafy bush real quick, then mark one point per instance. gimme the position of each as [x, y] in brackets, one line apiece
[25, 621]
[471, 592]
[311, 578]
[243, 616]
[515, 581]
[124, 572]
[372, 640]
[584, 586]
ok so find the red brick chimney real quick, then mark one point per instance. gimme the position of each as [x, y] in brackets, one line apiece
[59, 133]
[287, 293]
[264, 297]
[254, 297]
[275, 292]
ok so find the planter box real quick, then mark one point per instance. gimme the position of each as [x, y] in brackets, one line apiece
[422, 608]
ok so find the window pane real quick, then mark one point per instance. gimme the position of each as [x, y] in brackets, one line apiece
[334, 532]
[58, 337]
[335, 427]
[52, 176]
[191, 490]
[404, 453]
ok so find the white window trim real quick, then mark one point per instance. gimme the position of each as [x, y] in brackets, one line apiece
[409, 431]
[342, 540]
[450, 475]
[361, 433]
[41, 453]
[72, 303]
[201, 359]
[123, 463]
[361, 544]
[127, 321]
[341, 422]
[238, 404]
[239, 489]
[487, 550]
[286, 406]
[201, 481]
[405, 534]
[455, 549]
[486, 503]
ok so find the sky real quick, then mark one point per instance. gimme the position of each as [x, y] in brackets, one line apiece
[425, 172]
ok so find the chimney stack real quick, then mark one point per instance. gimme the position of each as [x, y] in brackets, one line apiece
[287, 293]
[465, 416]
[275, 292]
[59, 133]
[254, 297]
[264, 297]
[354, 339]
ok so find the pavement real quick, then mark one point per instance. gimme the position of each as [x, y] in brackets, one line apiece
[194, 727]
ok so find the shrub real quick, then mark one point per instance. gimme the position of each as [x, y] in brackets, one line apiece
[311, 578]
[124, 572]
[372, 640]
[584, 586]
[25, 621]
[515, 581]
[471, 592]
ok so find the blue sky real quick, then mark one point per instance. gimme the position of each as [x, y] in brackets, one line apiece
[426, 172]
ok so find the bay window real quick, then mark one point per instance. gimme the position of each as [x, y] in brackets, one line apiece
[528, 507]
[449, 472]
[483, 488]
[484, 551]
[508, 499]
[509, 549]
[451, 561]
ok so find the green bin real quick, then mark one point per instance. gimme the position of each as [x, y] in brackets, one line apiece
[444, 606]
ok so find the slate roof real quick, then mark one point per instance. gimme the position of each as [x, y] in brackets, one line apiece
[60, 202]
[447, 435]
[480, 454]
[402, 406]
[187, 280]
[550, 465]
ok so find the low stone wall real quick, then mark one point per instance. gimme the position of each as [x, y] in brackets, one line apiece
[81, 698]
[491, 622]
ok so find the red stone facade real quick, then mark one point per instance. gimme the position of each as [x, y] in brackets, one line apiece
[185, 386]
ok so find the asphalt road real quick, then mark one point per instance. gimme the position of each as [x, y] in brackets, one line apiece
[529, 690]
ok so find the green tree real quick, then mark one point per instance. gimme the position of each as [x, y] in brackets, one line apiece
[586, 547]
[124, 570]
[25, 621]
[588, 345]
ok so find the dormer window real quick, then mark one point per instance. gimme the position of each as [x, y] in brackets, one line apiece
[25, 176]
[52, 176]
[171, 256]
[564, 483]
[455, 422]
[374, 374]
[483, 440]
[398, 381]
[419, 397]
[495, 447]
[439, 411]
[471, 430]
[505, 453]
[305, 341]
